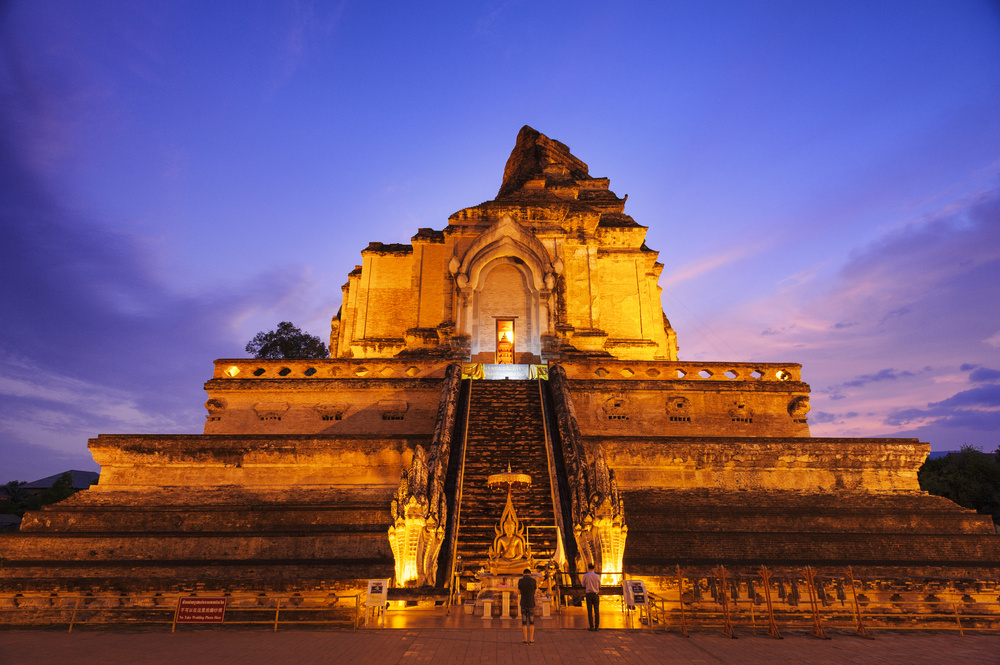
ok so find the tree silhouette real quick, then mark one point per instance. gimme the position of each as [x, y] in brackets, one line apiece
[286, 341]
[969, 477]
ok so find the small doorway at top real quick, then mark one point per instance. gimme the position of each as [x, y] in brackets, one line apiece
[505, 342]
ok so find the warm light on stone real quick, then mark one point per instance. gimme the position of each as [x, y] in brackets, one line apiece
[322, 473]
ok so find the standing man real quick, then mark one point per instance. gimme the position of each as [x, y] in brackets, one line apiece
[592, 587]
[526, 586]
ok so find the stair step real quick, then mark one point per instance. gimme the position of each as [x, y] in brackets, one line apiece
[505, 426]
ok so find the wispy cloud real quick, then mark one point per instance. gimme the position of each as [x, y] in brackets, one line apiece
[28, 382]
[705, 265]
[976, 408]
[881, 340]
[822, 417]
[307, 25]
[485, 24]
[881, 375]
[92, 338]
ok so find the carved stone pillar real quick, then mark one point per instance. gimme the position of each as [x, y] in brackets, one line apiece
[417, 531]
[601, 531]
[420, 507]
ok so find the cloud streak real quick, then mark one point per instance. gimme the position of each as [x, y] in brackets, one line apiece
[975, 408]
[93, 339]
[881, 375]
[708, 264]
[919, 302]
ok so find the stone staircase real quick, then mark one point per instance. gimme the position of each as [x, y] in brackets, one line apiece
[505, 427]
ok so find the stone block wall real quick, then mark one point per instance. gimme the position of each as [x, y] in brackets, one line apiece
[759, 463]
[430, 257]
[191, 461]
[323, 397]
[386, 299]
[901, 533]
[624, 398]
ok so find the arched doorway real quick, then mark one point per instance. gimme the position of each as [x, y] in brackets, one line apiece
[505, 314]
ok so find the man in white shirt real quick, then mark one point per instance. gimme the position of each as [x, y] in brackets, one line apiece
[592, 588]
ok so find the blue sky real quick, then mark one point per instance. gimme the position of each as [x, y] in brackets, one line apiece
[821, 179]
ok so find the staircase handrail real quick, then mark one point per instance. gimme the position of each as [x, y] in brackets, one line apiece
[557, 500]
[440, 450]
[458, 501]
[574, 457]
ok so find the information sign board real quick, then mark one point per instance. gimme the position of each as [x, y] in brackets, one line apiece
[192, 609]
[635, 593]
[376, 599]
[378, 593]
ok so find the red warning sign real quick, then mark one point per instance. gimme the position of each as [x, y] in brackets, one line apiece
[200, 610]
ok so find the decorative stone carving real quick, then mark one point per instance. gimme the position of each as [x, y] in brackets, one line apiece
[799, 407]
[601, 531]
[740, 411]
[678, 405]
[331, 411]
[615, 409]
[392, 409]
[505, 238]
[270, 410]
[215, 405]
[598, 513]
[419, 508]
[417, 530]
[215, 408]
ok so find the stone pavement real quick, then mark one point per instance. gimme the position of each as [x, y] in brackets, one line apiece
[483, 646]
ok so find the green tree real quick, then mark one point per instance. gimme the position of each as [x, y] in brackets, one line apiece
[15, 489]
[286, 341]
[969, 477]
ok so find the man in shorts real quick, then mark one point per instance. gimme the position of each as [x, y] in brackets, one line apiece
[526, 586]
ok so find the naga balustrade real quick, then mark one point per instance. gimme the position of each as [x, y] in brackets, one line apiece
[816, 602]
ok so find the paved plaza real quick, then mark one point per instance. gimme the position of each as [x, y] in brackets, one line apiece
[420, 639]
[442, 646]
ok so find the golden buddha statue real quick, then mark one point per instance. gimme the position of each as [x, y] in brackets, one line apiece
[510, 552]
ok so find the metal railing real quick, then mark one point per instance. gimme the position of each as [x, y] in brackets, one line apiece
[74, 610]
[609, 579]
[764, 610]
[734, 602]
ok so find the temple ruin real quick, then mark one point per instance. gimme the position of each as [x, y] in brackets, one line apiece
[526, 337]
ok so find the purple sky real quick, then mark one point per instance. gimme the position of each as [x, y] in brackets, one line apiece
[822, 181]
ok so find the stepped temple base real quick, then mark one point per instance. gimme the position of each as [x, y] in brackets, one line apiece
[150, 536]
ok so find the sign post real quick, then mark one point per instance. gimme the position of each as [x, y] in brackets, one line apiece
[376, 598]
[636, 596]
